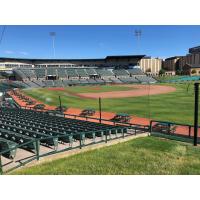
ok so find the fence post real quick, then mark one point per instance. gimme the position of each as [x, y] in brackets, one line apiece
[106, 137]
[60, 104]
[196, 109]
[189, 131]
[80, 140]
[37, 150]
[100, 109]
[1, 170]
[150, 127]
[169, 125]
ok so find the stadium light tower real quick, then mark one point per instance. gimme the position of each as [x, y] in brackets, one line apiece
[138, 34]
[53, 35]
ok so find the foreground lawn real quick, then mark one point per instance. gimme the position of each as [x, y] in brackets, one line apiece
[177, 106]
[149, 155]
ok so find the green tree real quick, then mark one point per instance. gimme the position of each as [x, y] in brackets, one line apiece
[161, 72]
[194, 71]
[178, 72]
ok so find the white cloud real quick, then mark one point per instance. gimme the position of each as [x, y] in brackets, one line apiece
[8, 52]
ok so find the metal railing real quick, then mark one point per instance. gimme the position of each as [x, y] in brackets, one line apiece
[82, 140]
[171, 130]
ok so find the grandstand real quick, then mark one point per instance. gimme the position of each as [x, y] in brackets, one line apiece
[104, 73]
[135, 71]
[145, 79]
[71, 73]
[36, 134]
[62, 73]
[129, 80]
[121, 73]
[82, 73]
[40, 73]
[61, 77]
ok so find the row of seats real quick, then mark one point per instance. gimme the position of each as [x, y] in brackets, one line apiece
[74, 72]
[19, 126]
[145, 79]
[69, 82]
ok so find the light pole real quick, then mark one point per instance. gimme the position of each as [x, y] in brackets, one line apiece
[53, 35]
[138, 34]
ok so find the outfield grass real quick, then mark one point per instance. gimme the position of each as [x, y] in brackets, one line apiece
[149, 155]
[176, 106]
[96, 89]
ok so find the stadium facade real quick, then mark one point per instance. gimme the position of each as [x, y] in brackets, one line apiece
[149, 64]
[109, 61]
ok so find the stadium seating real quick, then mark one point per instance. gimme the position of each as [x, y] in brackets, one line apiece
[40, 72]
[7, 144]
[83, 81]
[75, 82]
[20, 126]
[39, 83]
[71, 73]
[91, 81]
[79, 76]
[67, 82]
[62, 73]
[104, 73]
[120, 72]
[129, 80]
[145, 79]
[100, 81]
[51, 72]
[19, 73]
[116, 80]
[32, 84]
[19, 84]
[91, 71]
[135, 71]
[107, 80]
[29, 73]
[58, 83]
[81, 72]
[49, 83]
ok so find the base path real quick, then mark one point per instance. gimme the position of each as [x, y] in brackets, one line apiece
[138, 90]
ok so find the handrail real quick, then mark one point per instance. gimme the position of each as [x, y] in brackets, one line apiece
[172, 123]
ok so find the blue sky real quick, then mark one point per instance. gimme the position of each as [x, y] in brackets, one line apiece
[97, 41]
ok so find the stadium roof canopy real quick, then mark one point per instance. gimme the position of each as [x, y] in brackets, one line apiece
[174, 57]
[137, 57]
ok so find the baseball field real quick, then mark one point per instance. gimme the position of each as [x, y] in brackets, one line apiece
[149, 155]
[168, 102]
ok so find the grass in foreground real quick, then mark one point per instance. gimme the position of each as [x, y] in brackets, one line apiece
[177, 106]
[149, 155]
